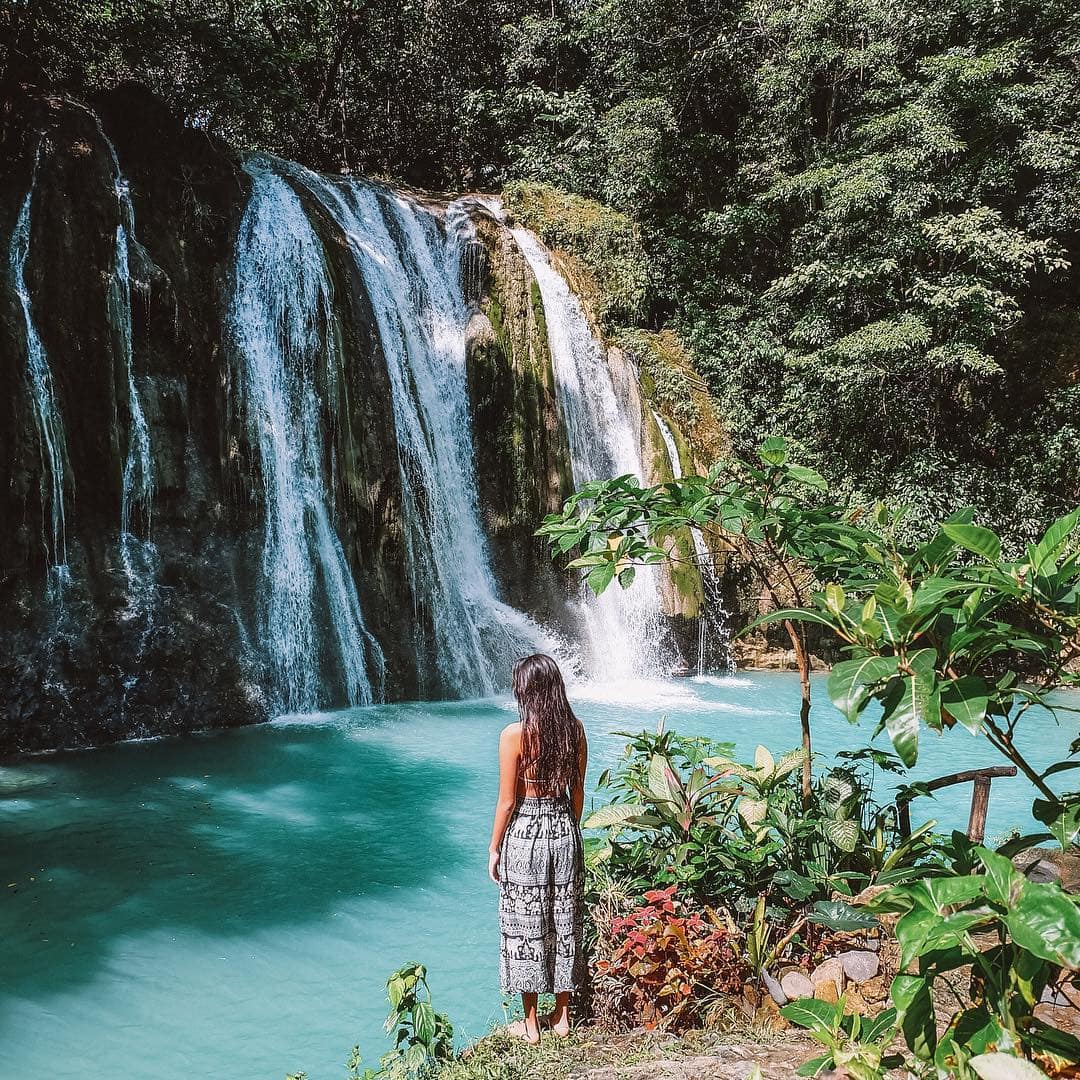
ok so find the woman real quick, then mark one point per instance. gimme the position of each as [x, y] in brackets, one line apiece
[535, 856]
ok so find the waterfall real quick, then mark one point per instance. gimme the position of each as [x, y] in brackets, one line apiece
[411, 267]
[279, 326]
[137, 555]
[50, 424]
[713, 615]
[624, 627]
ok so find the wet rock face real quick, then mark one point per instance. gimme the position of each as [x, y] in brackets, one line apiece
[136, 640]
[522, 458]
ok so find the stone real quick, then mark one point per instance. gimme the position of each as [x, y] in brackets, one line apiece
[874, 990]
[829, 970]
[1042, 872]
[776, 991]
[860, 965]
[826, 991]
[796, 985]
[854, 1002]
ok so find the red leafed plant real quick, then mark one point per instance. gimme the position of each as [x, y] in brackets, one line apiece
[669, 965]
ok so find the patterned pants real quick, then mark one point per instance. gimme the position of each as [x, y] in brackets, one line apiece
[542, 878]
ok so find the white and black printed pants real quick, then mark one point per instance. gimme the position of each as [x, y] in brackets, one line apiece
[542, 877]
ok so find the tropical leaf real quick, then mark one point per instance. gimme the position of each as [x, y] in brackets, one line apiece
[811, 1013]
[975, 539]
[842, 834]
[1005, 1067]
[837, 915]
[763, 761]
[849, 681]
[613, 814]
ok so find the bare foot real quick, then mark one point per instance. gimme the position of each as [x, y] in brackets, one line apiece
[559, 1027]
[520, 1030]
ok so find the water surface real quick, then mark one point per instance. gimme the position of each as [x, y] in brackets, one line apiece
[229, 905]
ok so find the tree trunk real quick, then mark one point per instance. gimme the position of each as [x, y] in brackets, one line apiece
[802, 658]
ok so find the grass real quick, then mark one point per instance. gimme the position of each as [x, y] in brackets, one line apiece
[502, 1057]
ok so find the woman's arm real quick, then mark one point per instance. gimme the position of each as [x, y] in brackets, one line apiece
[509, 756]
[577, 789]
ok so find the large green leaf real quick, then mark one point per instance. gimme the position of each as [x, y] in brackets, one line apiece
[1050, 544]
[811, 1013]
[837, 915]
[917, 703]
[599, 577]
[1005, 1067]
[915, 1011]
[774, 450]
[613, 814]
[1046, 922]
[849, 680]
[661, 778]
[965, 699]
[843, 834]
[975, 539]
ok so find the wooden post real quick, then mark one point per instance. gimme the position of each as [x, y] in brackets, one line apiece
[980, 798]
[980, 802]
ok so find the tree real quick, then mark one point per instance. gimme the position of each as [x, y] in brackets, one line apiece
[938, 633]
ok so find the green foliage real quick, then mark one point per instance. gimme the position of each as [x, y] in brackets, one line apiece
[1017, 936]
[936, 634]
[856, 1046]
[729, 833]
[423, 1038]
[607, 243]
[861, 217]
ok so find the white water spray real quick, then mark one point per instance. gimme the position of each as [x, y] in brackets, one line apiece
[279, 326]
[411, 269]
[47, 415]
[714, 615]
[137, 554]
[624, 626]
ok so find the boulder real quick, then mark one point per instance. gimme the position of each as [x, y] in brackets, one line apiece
[860, 965]
[797, 985]
[826, 991]
[830, 970]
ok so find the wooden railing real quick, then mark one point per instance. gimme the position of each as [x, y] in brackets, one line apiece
[980, 797]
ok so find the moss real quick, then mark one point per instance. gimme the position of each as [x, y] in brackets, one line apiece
[612, 270]
[672, 386]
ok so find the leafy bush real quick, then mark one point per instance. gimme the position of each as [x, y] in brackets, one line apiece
[669, 965]
[1016, 935]
[726, 833]
[423, 1038]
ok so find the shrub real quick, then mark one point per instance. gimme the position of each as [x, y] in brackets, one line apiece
[669, 966]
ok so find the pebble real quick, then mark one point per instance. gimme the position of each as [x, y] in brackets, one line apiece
[776, 991]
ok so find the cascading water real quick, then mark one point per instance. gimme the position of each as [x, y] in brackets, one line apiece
[713, 615]
[279, 327]
[47, 415]
[137, 554]
[411, 269]
[624, 627]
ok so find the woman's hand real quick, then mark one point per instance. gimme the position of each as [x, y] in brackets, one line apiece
[493, 866]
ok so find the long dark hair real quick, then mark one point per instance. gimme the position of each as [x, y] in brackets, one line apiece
[551, 735]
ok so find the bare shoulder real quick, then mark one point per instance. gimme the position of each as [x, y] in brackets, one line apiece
[511, 733]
